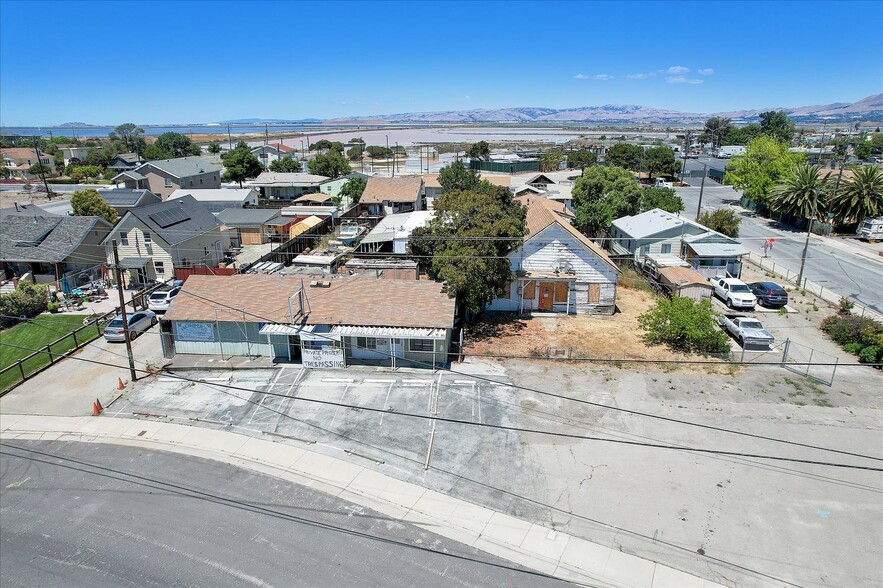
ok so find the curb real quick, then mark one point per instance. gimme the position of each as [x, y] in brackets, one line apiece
[533, 546]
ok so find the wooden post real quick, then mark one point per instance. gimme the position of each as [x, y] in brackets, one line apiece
[116, 269]
[76, 343]
[22, 370]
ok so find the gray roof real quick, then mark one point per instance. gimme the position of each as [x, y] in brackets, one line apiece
[130, 158]
[647, 224]
[398, 225]
[181, 167]
[288, 179]
[128, 198]
[247, 217]
[30, 210]
[131, 174]
[718, 249]
[45, 240]
[184, 218]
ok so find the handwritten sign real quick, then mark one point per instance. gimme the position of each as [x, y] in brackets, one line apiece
[328, 357]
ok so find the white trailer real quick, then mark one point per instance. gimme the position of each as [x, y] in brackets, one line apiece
[871, 229]
[728, 151]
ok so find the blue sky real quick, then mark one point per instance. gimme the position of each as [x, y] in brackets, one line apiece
[181, 62]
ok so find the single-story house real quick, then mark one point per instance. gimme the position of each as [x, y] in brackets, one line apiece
[657, 232]
[332, 187]
[218, 199]
[164, 176]
[286, 186]
[50, 247]
[122, 199]
[383, 196]
[328, 323]
[125, 162]
[31, 210]
[314, 199]
[392, 233]
[557, 268]
[254, 226]
[154, 240]
[685, 281]
[71, 154]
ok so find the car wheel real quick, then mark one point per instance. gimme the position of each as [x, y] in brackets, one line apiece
[741, 341]
[153, 321]
[729, 303]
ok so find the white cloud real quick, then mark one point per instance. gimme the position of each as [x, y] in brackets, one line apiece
[675, 70]
[682, 80]
[581, 77]
[602, 77]
[467, 97]
[639, 76]
[705, 72]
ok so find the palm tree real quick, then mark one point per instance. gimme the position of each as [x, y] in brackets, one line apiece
[803, 194]
[861, 197]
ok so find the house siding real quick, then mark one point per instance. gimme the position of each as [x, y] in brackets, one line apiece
[156, 179]
[579, 267]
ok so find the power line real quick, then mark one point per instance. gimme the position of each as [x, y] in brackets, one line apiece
[491, 426]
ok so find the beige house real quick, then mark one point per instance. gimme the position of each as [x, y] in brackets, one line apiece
[154, 240]
[164, 176]
[286, 186]
[18, 159]
[384, 196]
[432, 188]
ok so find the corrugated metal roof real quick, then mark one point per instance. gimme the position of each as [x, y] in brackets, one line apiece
[717, 249]
[279, 329]
[405, 332]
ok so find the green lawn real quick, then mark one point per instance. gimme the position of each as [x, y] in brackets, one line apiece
[36, 334]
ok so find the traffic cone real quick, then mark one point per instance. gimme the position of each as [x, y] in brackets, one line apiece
[95, 410]
[120, 385]
[98, 403]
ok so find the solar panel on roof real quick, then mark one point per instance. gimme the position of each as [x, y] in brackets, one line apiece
[167, 218]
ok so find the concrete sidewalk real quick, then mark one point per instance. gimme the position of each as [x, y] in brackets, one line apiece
[534, 546]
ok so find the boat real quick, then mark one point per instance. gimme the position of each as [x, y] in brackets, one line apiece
[350, 232]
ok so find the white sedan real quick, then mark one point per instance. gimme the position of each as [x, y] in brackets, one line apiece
[139, 322]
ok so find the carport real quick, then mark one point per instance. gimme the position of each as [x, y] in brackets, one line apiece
[405, 345]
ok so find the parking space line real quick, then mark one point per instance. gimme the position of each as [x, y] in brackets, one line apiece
[337, 409]
[266, 395]
[378, 381]
[339, 380]
[386, 404]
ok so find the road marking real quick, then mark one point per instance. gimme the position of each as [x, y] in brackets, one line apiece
[378, 381]
[464, 382]
[338, 380]
[17, 484]
[386, 404]
[266, 395]
[336, 410]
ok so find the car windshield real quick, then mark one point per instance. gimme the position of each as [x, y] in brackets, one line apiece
[751, 324]
[160, 296]
[116, 323]
[739, 288]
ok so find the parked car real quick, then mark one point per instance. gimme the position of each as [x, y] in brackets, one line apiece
[769, 294]
[746, 330]
[138, 321]
[159, 301]
[734, 292]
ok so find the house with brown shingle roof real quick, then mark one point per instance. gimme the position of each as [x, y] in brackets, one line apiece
[557, 268]
[432, 188]
[384, 196]
[339, 320]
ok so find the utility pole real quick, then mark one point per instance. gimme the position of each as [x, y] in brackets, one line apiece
[701, 189]
[229, 138]
[42, 170]
[116, 269]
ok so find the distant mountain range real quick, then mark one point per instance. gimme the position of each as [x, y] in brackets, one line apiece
[867, 109]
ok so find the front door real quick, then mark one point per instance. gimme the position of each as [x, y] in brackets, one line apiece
[547, 291]
[293, 347]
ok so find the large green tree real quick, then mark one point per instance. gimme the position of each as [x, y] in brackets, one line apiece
[466, 243]
[716, 129]
[131, 136]
[766, 162]
[551, 160]
[456, 176]
[802, 193]
[776, 123]
[861, 197]
[741, 135]
[480, 150]
[285, 165]
[603, 194]
[663, 198]
[624, 155]
[331, 164]
[241, 164]
[581, 159]
[661, 161]
[684, 325]
[171, 145]
[90, 203]
[722, 220]
[863, 149]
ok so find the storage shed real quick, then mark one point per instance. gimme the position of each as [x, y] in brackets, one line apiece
[685, 281]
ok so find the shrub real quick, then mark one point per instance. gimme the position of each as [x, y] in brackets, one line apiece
[845, 306]
[27, 300]
[845, 329]
[853, 348]
[869, 354]
[682, 324]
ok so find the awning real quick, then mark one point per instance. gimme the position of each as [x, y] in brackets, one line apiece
[717, 249]
[278, 329]
[393, 332]
[134, 262]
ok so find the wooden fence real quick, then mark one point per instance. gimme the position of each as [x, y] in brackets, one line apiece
[286, 252]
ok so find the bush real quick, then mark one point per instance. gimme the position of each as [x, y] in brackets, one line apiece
[853, 348]
[683, 324]
[845, 329]
[845, 306]
[28, 300]
[869, 354]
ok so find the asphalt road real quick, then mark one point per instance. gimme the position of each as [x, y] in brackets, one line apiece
[850, 275]
[78, 514]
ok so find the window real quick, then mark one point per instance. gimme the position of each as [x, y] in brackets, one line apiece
[366, 343]
[159, 267]
[167, 182]
[594, 294]
[530, 290]
[666, 247]
[423, 345]
[148, 240]
[200, 180]
[124, 238]
[645, 249]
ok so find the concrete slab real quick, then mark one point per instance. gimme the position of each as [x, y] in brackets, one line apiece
[374, 484]
[436, 504]
[8, 421]
[276, 454]
[327, 469]
[389, 509]
[214, 440]
[580, 554]
[506, 529]
[105, 426]
[170, 433]
[514, 554]
[630, 570]
[471, 517]
[49, 423]
[136, 427]
[666, 577]
[545, 542]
